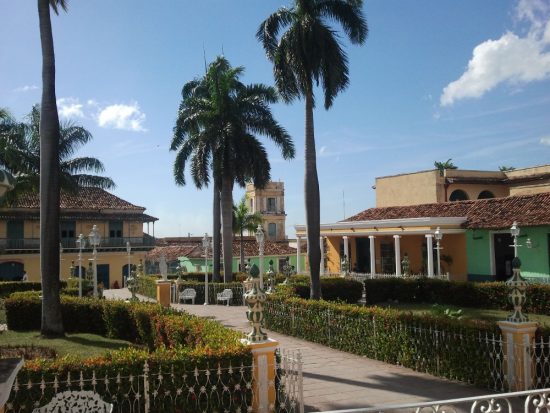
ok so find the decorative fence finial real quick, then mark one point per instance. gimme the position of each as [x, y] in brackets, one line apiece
[255, 299]
[517, 295]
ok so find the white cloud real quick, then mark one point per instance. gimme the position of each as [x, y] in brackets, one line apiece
[511, 59]
[26, 88]
[70, 108]
[120, 116]
[545, 140]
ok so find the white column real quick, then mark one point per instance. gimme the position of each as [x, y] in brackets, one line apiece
[372, 259]
[429, 251]
[298, 245]
[346, 247]
[321, 245]
[396, 239]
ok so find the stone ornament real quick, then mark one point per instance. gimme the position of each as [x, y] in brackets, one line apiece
[517, 285]
[255, 299]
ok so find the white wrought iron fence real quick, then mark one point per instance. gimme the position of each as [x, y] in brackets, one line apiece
[171, 388]
[533, 401]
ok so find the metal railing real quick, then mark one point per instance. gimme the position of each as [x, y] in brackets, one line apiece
[526, 401]
[8, 244]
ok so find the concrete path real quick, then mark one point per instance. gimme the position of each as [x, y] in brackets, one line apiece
[337, 380]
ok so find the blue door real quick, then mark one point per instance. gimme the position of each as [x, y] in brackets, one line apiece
[103, 275]
[11, 271]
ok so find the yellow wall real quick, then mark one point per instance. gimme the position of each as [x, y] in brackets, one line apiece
[333, 254]
[473, 190]
[408, 189]
[455, 246]
[116, 261]
[530, 189]
[3, 229]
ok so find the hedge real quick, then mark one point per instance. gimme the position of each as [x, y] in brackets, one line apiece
[9, 287]
[167, 340]
[455, 349]
[332, 288]
[464, 294]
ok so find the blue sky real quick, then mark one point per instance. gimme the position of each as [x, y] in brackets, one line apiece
[466, 80]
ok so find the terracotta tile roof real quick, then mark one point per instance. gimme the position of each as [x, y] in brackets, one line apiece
[527, 210]
[85, 198]
[77, 215]
[195, 250]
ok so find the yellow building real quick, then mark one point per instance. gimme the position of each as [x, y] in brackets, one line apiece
[117, 221]
[459, 185]
[270, 203]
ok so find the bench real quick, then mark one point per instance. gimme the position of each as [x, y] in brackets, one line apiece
[76, 402]
[226, 295]
[188, 294]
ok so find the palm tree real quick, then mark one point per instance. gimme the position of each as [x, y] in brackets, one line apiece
[20, 155]
[52, 322]
[243, 220]
[309, 53]
[441, 166]
[218, 121]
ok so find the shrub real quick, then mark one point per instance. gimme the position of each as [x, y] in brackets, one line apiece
[441, 346]
[463, 294]
[9, 287]
[332, 288]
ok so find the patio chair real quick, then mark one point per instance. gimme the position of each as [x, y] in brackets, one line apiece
[188, 294]
[226, 295]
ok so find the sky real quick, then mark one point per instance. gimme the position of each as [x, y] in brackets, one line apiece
[436, 79]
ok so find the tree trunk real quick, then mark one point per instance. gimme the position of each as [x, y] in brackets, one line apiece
[216, 233]
[241, 266]
[52, 322]
[312, 202]
[227, 227]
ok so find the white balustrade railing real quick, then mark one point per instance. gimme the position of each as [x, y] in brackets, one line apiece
[527, 401]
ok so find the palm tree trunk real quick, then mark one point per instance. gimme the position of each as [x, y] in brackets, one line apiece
[52, 322]
[241, 265]
[216, 233]
[227, 227]
[312, 202]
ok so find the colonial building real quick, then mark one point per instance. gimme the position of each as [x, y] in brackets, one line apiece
[475, 235]
[117, 221]
[270, 203]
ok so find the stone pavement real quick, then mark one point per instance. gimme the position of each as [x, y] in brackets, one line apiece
[337, 380]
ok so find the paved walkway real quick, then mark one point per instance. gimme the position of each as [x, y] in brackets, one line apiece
[337, 380]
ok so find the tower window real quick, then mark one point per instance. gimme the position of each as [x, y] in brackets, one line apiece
[272, 230]
[271, 206]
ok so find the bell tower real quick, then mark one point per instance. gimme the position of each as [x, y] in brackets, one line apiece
[270, 203]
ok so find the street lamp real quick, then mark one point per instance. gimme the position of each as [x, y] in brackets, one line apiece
[514, 231]
[287, 270]
[260, 237]
[438, 237]
[81, 241]
[205, 245]
[129, 251]
[94, 239]
[60, 259]
[270, 274]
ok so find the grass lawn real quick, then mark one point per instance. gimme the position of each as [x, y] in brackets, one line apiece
[468, 313]
[82, 345]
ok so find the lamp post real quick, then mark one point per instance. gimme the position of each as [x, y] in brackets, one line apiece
[94, 239]
[287, 270]
[260, 237]
[60, 259]
[81, 241]
[514, 231]
[205, 245]
[438, 237]
[129, 251]
[270, 274]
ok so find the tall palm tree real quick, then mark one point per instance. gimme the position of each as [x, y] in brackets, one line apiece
[221, 118]
[243, 220]
[52, 322]
[307, 54]
[20, 155]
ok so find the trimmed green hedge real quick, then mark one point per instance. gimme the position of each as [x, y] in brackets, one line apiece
[168, 340]
[332, 288]
[9, 287]
[463, 294]
[455, 349]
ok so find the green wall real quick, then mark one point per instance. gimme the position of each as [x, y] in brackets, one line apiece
[534, 261]
[253, 260]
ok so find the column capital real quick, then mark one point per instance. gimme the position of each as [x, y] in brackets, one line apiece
[344, 236]
[429, 235]
[397, 236]
[371, 237]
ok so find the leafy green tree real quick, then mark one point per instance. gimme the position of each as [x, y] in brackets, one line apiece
[506, 168]
[225, 116]
[20, 155]
[310, 54]
[52, 322]
[441, 166]
[243, 220]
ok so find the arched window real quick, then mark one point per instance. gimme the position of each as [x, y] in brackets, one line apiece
[458, 195]
[485, 195]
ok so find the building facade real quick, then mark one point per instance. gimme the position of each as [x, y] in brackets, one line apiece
[117, 221]
[270, 203]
